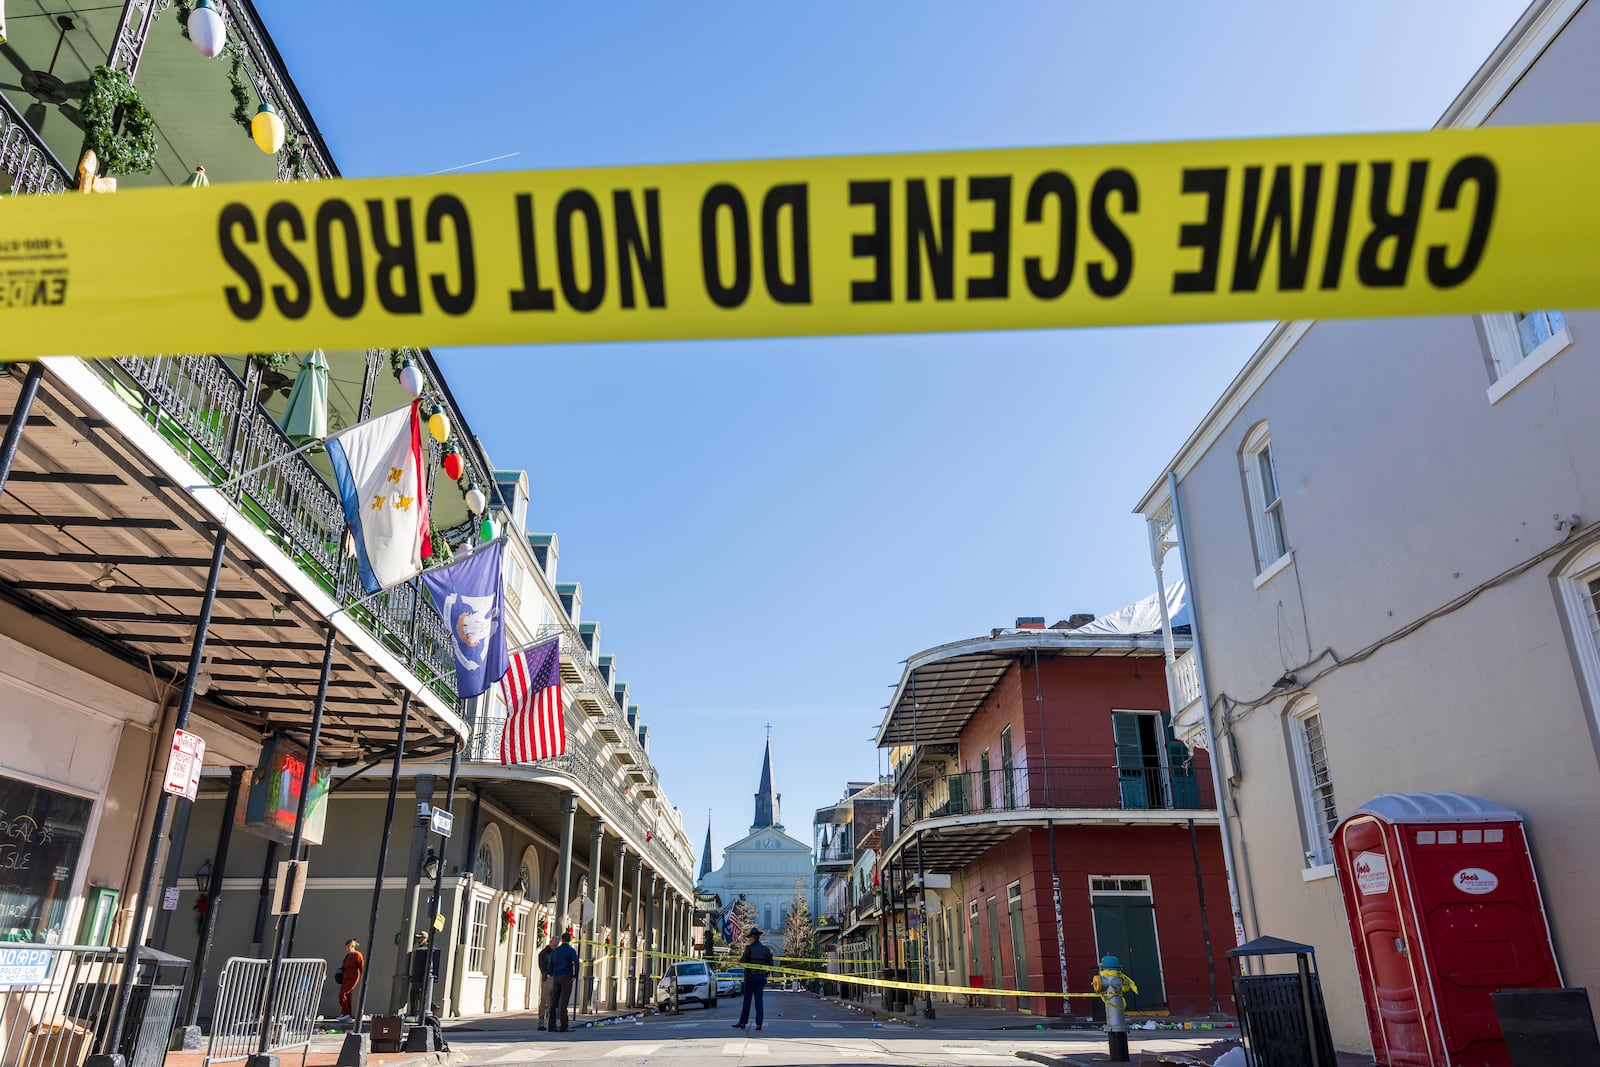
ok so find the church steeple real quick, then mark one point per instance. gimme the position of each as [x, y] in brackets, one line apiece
[766, 799]
[705, 854]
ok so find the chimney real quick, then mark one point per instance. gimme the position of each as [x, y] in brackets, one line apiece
[1082, 618]
[1030, 622]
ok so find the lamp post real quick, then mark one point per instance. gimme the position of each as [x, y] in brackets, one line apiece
[202, 878]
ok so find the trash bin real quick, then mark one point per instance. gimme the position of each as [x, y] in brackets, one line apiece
[1547, 1026]
[1282, 1018]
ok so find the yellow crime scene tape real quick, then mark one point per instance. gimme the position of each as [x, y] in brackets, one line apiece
[1440, 222]
[849, 979]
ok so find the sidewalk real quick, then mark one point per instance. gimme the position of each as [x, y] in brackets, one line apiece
[961, 1017]
[529, 1020]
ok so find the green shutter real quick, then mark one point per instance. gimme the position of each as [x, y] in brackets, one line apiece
[1130, 761]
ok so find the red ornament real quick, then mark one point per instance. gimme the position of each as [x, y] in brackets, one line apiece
[452, 466]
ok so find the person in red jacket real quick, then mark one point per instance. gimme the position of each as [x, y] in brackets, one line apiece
[348, 974]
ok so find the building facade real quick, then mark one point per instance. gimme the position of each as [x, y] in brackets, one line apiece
[766, 867]
[1390, 531]
[1034, 758]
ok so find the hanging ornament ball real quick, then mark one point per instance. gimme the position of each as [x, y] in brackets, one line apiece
[197, 180]
[453, 465]
[207, 29]
[411, 378]
[439, 425]
[486, 530]
[266, 129]
[475, 501]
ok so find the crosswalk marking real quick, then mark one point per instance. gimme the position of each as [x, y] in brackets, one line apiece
[826, 1026]
[632, 1050]
[745, 1048]
[520, 1055]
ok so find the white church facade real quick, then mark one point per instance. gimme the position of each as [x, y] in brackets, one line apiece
[767, 866]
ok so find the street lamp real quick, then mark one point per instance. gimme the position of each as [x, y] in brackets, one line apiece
[202, 878]
[430, 864]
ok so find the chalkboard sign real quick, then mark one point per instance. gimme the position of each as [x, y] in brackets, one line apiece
[41, 834]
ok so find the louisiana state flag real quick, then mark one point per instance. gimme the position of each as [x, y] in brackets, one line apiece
[379, 467]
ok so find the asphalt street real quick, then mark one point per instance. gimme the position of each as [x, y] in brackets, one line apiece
[800, 1029]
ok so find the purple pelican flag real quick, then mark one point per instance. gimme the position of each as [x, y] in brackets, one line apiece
[469, 596]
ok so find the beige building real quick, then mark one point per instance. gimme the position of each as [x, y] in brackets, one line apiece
[1392, 535]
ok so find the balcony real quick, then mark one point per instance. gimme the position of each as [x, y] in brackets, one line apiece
[866, 909]
[1185, 680]
[26, 163]
[207, 412]
[835, 853]
[589, 764]
[1082, 788]
[975, 810]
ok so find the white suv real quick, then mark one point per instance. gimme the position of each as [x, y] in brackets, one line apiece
[693, 981]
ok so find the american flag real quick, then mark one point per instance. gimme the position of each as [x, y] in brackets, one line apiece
[535, 727]
[731, 926]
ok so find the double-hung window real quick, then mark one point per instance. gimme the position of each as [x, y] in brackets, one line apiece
[1266, 503]
[1580, 589]
[1519, 344]
[1319, 813]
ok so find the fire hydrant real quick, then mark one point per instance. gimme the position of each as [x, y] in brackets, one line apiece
[1113, 985]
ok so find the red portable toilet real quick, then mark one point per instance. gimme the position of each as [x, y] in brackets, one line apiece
[1444, 909]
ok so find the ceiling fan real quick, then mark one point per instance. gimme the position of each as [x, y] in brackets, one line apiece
[44, 86]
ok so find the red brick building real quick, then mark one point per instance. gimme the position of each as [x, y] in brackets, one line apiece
[1003, 744]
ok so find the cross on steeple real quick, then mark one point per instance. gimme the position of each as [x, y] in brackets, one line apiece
[766, 795]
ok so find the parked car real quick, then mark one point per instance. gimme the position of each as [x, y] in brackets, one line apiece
[737, 974]
[693, 982]
[729, 984]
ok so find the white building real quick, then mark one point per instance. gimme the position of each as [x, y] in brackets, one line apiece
[767, 866]
[1391, 533]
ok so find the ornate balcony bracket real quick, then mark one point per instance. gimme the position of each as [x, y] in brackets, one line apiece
[24, 156]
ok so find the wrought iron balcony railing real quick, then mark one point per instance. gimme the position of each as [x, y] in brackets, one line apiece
[1056, 787]
[25, 159]
[205, 410]
[835, 853]
[585, 762]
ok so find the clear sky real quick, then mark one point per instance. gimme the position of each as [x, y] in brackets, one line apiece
[765, 530]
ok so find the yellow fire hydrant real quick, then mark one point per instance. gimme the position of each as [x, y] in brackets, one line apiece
[1113, 985]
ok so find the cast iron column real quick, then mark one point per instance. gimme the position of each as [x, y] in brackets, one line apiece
[109, 1055]
[615, 961]
[633, 935]
[208, 926]
[597, 836]
[648, 991]
[435, 904]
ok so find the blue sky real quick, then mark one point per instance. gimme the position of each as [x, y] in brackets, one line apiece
[766, 529]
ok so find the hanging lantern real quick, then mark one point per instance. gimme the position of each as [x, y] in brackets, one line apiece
[410, 377]
[439, 424]
[207, 29]
[266, 129]
[453, 465]
[476, 501]
[486, 530]
[197, 180]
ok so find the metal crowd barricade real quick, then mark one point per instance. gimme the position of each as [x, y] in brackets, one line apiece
[236, 1020]
[56, 1003]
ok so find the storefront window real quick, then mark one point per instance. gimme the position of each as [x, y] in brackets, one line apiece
[41, 834]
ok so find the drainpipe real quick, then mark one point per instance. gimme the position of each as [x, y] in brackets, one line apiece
[1215, 740]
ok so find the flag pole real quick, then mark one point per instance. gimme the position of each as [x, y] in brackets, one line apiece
[308, 446]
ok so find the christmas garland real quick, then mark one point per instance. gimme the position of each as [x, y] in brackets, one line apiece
[112, 94]
[294, 153]
[184, 7]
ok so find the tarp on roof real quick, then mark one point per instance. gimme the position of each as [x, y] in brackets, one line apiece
[1143, 616]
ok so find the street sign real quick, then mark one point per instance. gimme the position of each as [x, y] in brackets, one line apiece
[293, 876]
[169, 899]
[183, 764]
[23, 966]
[441, 822]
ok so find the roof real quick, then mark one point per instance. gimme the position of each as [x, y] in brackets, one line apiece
[1268, 945]
[941, 688]
[1399, 808]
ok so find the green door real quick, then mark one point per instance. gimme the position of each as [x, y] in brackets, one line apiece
[1125, 927]
[1185, 790]
[1019, 938]
[1130, 760]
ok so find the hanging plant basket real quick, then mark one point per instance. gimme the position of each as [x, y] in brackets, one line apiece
[130, 149]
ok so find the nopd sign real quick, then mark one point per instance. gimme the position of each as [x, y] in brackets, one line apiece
[1442, 222]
